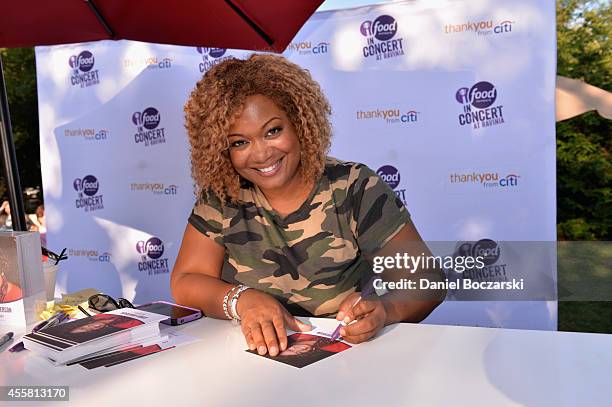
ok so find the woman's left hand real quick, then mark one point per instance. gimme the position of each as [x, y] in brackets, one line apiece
[370, 316]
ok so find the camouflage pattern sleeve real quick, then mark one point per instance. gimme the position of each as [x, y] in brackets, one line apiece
[207, 217]
[377, 213]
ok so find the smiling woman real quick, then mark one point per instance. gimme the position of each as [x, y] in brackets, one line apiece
[280, 228]
[268, 154]
[221, 96]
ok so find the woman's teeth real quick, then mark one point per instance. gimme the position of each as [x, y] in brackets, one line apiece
[270, 168]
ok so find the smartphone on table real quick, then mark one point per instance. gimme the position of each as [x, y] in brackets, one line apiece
[177, 314]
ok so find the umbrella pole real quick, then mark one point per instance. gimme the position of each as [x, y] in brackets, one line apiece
[10, 159]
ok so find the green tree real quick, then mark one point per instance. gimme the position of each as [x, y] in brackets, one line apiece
[583, 151]
[584, 170]
[20, 77]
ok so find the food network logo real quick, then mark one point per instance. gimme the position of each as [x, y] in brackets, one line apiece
[306, 48]
[91, 255]
[151, 259]
[155, 188]
[389, 115]
[478, 109]
[88, 134]
[87, 194]
[151, 62]
[211, 57]
[83, 74]
[392, 177]
[490, 253]
[380, 42]
[147, 123]
[486, 179]
[484, 27]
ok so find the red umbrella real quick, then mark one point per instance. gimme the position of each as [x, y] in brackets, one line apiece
[242, 24]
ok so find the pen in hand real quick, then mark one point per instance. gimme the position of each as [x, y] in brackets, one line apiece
[367, 290]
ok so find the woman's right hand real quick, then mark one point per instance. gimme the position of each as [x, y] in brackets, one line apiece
[264, 320]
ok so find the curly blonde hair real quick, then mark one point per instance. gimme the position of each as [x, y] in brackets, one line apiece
[219, 96]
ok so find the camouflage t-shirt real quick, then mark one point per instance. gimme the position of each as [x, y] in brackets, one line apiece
[313, 258]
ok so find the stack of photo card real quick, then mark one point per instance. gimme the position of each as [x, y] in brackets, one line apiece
[113, 357]
[304, 349]
[88, 336]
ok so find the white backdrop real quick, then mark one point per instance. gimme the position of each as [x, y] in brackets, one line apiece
[452, 102]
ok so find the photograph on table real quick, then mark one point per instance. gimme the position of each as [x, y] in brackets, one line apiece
[305, 349]
[94, 327]
[116, 356]
[121, 356]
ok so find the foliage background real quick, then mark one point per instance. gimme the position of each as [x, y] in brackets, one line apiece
[20, 77]
[584, 169]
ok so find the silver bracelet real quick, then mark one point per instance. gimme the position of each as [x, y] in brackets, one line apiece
[241, 288]
[226, 302]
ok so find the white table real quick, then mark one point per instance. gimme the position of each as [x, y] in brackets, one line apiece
[407, 364]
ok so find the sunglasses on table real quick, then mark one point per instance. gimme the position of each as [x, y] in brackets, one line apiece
[105, 303]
